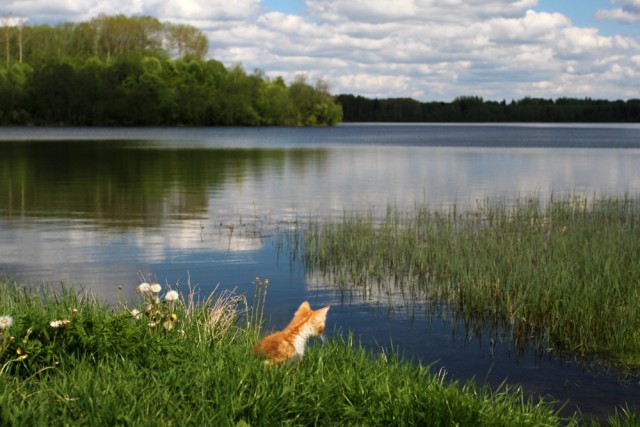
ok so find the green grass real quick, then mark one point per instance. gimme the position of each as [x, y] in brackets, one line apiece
[547, 273]
[107, 367]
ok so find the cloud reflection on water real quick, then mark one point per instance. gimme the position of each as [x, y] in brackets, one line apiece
[77, 207]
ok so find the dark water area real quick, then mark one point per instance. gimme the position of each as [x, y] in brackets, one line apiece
[211, 208]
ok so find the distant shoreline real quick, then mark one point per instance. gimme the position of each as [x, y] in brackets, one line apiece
[471, 109]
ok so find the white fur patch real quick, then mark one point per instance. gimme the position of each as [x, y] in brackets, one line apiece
[301, 339]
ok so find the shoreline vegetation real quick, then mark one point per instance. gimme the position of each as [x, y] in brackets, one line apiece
[174, 360]
[474, 109]
[540, 273]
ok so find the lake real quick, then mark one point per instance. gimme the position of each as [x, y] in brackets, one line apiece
[101, 208]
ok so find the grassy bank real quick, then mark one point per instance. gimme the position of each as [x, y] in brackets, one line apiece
[548, 272]
[65, 359]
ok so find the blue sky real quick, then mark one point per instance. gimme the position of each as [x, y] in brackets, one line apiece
[424, 49]
[295, 7]
[582, 13]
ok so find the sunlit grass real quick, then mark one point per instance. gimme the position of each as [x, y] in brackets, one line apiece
[564, 274]
[122, 366]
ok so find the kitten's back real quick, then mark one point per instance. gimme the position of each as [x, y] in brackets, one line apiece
[290, 342]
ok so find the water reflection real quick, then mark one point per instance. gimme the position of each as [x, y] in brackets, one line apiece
[89, 204]
[386, 293]
[74, 198]
[123, 184]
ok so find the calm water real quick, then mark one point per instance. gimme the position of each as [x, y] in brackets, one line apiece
[106, 207]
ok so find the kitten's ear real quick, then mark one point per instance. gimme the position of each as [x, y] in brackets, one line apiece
[304, 307]
[322, 312]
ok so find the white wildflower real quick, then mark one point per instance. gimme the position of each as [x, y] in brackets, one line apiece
[143, 287]
[5, 322]
[168, 325]
[156, 288]
[59, 323]
[135, 313]
[171, 296]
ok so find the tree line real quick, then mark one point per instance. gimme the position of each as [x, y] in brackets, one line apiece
[138, 71]
[475, 109]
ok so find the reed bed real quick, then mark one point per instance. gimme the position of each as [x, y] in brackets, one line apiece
[167, 360]
[562, 273]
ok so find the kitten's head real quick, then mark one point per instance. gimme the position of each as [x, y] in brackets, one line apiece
[316, 318]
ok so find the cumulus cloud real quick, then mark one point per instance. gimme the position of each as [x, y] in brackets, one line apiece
[628, 12]
[427, 49]
[377, 11]
[179, 10]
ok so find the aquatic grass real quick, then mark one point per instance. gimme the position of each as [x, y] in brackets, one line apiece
[173, 378]
[547, 272]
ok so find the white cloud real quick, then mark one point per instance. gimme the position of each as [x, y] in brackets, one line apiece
[237, 10]
[379, 11]
[531, 28]
[429, 49]
[628, 12]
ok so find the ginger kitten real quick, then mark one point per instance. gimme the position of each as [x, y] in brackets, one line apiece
[290, 342]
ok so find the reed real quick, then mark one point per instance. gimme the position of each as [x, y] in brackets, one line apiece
[549, 272]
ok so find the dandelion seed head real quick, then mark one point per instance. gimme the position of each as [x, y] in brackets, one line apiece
[171, 296]
[5, 322]
[156, 288]
[59, 323]
[143, 287]
[135, 313]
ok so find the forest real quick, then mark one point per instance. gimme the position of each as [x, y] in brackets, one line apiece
[138, 71]
[475, 109]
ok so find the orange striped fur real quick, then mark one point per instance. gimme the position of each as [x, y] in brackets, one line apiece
[289, 343]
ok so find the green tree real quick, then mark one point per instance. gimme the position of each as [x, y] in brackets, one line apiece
[54, 87]
[192, 93]
[303, 97]
[277, 108]
[13, 94]
[233, 104]
[184, 40]
[93, 96]
[315, 105]
[120, 35]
